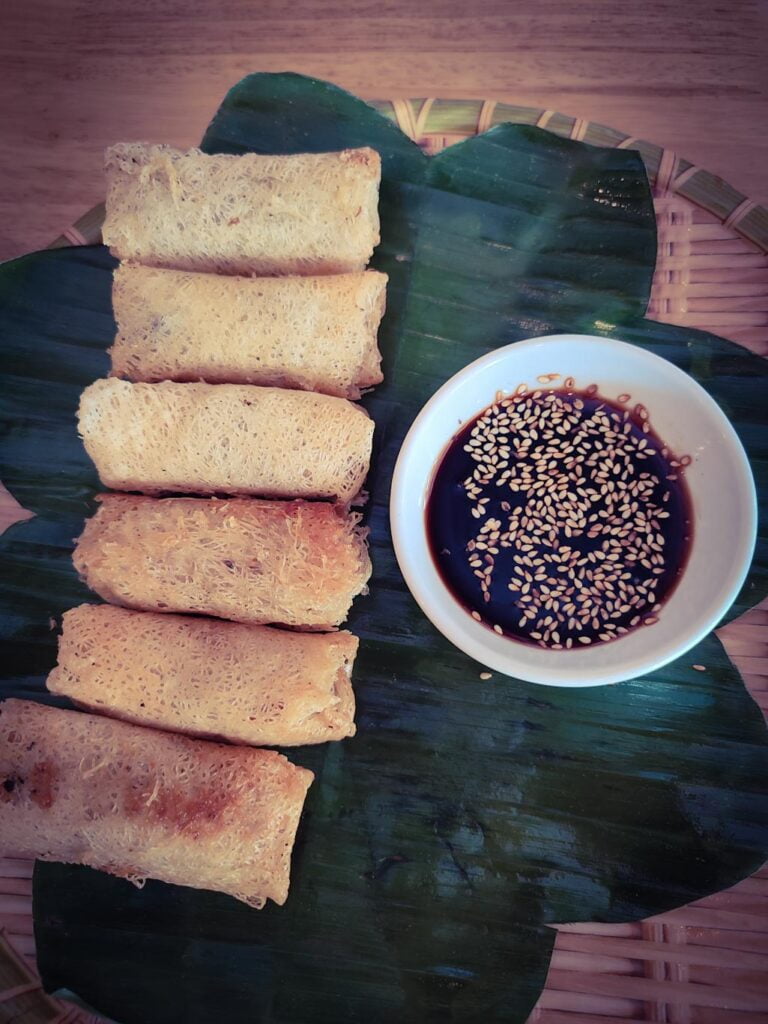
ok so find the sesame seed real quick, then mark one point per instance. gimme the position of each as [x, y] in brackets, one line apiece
[587, 521]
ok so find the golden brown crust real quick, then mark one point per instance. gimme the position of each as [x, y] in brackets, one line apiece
[296, 564]
[309, 213]
[139, 803]
[307, 333]
[208, 678]
[225, 439]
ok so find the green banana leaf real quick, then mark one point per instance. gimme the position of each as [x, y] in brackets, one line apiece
[466, 816]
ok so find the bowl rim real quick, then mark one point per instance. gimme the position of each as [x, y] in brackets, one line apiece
[434, 606]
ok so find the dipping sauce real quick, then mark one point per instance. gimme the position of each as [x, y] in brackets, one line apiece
[558, 518]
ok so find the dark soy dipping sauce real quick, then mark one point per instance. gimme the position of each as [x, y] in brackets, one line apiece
[622, 593]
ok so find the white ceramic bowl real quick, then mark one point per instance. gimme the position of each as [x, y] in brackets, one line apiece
[681, 413]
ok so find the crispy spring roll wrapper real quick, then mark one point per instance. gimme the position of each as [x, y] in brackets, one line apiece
[297, 564]
[309, 333]
[225, 439]
[308, 213]
[139, 803]
[208, 678]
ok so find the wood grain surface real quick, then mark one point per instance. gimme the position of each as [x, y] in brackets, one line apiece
[76, 75]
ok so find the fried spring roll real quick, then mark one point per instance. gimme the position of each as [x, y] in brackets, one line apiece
[297, 564]
[207, 678]
[225, 438]
[309, 213]
[139, 803]
[309, 333]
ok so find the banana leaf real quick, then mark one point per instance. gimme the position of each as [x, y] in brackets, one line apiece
[467, 816]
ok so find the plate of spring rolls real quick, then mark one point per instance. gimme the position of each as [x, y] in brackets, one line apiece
[243, 330]
[258, 785]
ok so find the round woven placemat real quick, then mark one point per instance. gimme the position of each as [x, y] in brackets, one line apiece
[706, 963]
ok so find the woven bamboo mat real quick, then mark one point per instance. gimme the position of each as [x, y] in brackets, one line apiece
[706, 963]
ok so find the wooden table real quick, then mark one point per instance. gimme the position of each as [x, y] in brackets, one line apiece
[76, 75]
